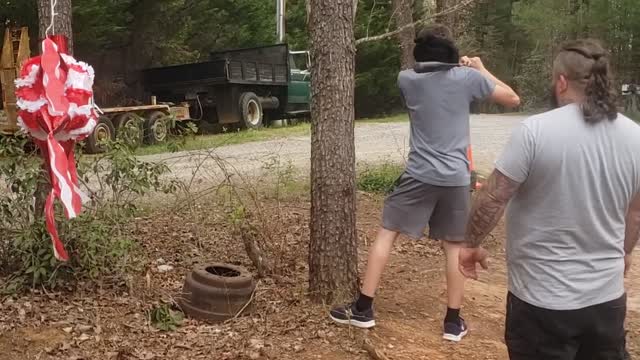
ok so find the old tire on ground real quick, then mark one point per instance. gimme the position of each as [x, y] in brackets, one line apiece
[217, 292]
[156, 128]
[104, 131]
[251, 111]
[129, 127]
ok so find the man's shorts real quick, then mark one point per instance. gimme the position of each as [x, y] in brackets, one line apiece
[593, 333]
[414, 205]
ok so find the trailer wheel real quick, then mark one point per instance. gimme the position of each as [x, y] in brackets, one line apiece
[156, 128]
[129, 127]
[251, 111]
[104, 131]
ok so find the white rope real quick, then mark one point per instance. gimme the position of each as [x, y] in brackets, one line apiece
[52, 25]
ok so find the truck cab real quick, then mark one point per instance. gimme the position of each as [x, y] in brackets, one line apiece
[299, 93]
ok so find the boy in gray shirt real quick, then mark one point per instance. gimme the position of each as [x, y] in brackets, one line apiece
[571, 179]
[434, 189]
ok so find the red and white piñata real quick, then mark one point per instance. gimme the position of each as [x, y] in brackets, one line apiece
[55, 99]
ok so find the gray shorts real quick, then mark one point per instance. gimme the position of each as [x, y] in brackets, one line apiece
[414, 205]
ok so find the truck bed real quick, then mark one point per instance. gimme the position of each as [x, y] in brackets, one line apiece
[267, 65]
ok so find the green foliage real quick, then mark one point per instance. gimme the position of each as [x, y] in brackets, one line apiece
[164, 318]
[98, 241]
[515, 38]
[379, 179]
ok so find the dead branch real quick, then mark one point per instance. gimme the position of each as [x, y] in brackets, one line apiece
[414, 24]
[249, 235]
[374, 353]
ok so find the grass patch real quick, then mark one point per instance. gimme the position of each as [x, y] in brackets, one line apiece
[231, 138]
[635, 116]
[383, 120]
[379, 179]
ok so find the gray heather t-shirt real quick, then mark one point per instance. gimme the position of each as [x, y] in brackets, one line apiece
[566, 224]
[438, 105]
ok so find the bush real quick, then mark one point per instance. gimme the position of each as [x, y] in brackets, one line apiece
[98, 240]
[379, 179]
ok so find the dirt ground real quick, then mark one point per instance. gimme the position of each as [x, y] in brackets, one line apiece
[110, 322]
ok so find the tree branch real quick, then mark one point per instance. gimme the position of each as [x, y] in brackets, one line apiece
[416, 23]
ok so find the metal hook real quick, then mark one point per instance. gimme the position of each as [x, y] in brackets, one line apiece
[52, 26]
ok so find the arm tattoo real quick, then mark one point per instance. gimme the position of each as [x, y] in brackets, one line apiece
[632, 231]
[489, 206]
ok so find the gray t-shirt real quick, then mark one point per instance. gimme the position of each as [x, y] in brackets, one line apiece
[566, 223]
[438, 105]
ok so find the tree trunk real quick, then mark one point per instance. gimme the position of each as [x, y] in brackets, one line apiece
[447, 19]
[333, 259]
[403, 15]
[62, 20]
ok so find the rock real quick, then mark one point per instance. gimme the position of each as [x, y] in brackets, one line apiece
[68, 330]
[254, 355]
[83, 328]
[298, 348]
[164, 268]
[83, 337]
[256, 344]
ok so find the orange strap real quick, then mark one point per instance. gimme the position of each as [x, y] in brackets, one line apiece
[470, 157]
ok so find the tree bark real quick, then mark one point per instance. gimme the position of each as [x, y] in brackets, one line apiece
[62, 20]
[403, 15]
[333, 259]
[446, 19]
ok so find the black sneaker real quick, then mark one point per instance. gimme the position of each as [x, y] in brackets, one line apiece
[455, 332]
[349, 315]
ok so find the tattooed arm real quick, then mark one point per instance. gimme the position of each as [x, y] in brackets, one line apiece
[487, 210]
[489, 207]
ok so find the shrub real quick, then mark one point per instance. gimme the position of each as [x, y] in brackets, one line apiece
[379, 179]
[98, 240]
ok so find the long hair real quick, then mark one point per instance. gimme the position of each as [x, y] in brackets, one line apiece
[585, 63]
[435, 43]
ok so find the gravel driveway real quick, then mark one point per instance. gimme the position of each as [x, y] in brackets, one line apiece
[374, 143]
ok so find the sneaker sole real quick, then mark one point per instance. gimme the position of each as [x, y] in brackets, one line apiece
[359, 324]
[455, 338]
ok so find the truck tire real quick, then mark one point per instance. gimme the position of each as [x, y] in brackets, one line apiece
[250, 111]
[129, 127]
[156, 128]
[104, 131]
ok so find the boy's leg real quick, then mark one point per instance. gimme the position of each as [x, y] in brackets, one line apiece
[406, 211]
[455, 279]
[360, 313]
[377, 260]
[448, 224]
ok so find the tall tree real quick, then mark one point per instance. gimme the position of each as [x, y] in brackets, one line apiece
[333, 262]
[62, 21]
[403, 16]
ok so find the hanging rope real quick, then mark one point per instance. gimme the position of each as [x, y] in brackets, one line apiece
[52, 24]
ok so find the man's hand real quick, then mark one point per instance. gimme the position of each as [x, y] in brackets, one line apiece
[469, 258]
[628, 261]
[473, 62]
